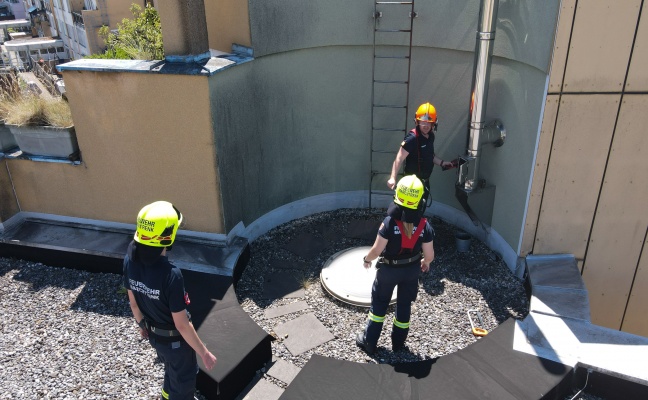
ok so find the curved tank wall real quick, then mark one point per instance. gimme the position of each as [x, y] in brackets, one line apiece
[296, 121]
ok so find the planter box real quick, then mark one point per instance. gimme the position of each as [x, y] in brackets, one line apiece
[46, 140]
[7, 139]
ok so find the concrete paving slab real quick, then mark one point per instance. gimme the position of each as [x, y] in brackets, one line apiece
[558, 270]
[282, 285]
[278, 264]
[283, 370]
[363, 229]
[285, 309]
[306, 245]
[264, 390]
[571, 303]
[304, 333]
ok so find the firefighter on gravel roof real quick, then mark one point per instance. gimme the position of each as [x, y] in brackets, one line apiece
[159, 302]
[404, 248]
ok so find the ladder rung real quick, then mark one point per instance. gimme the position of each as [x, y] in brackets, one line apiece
[389, 129]
[400, 82]
[403, 57]
[388, 106]
[381, 81]
[393, 30]
[395, 2]
[384, 151]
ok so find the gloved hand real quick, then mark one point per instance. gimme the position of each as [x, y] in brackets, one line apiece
[446, 165]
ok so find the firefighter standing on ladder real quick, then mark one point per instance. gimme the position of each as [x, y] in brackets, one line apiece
[417, 150]
[159, 302]
[402, 236]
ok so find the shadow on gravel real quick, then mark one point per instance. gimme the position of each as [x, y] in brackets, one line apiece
[97, 290]
[457, 282]
[36, 280]
[480, 269]
[98, 296]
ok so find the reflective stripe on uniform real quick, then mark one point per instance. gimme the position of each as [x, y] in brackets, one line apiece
[402, 325]
[376, 318]
[165, 395]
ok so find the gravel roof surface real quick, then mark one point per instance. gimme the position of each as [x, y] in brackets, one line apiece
[457, 282]
[69, 334]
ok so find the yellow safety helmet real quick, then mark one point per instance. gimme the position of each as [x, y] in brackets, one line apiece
[157, 224]
[426, 112]
[409, 192]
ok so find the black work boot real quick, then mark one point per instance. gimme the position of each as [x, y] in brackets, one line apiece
[396, 347]
[369, 349]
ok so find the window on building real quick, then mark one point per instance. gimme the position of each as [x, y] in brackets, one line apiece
[90, 5]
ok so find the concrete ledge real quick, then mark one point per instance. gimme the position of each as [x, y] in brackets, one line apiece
[360, 199]
[84, 243]
[206, 67]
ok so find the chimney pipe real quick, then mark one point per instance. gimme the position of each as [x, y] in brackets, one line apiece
[184, 29]
[479, 131]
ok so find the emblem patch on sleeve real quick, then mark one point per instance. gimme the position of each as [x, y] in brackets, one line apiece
[186, 298]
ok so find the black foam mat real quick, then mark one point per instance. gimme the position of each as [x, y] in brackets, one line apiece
[239, 344]
[207, 293]
[488, 369]
[328, 378]
[241, 348]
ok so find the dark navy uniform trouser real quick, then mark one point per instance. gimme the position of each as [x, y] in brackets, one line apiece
[387, 278]
[180, 368]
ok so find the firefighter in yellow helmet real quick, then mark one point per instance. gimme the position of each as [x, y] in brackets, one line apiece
[159, 302]
[405, 245]
[417, 149]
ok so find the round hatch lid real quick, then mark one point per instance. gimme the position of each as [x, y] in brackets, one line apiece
[344, 277]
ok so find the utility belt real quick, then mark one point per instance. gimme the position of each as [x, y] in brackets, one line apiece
[401, 262]
[170, 333]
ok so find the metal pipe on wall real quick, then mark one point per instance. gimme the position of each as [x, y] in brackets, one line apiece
[468, 179]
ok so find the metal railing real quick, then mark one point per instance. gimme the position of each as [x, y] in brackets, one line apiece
[42, 69]
[77, 18]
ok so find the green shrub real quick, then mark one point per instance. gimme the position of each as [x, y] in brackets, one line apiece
[139, 38]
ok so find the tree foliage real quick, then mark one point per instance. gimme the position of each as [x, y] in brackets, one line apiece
[139, 38]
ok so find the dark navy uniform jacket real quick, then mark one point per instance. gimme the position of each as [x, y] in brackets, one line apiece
[158, 287]
[420, 158]
[390, 231]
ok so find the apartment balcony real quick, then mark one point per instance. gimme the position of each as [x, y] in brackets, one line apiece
[77, 18]
[5, 13]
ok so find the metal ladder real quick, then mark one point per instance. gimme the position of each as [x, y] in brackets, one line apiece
[390, 87]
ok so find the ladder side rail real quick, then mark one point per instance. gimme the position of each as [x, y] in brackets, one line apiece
[375, 106]
[373, 93]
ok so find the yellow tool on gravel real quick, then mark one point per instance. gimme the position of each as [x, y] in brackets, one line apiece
[477, 331]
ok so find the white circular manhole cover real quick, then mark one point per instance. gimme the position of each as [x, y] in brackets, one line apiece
[344, 277]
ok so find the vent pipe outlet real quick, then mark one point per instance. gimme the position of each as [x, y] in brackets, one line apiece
[479, 132]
